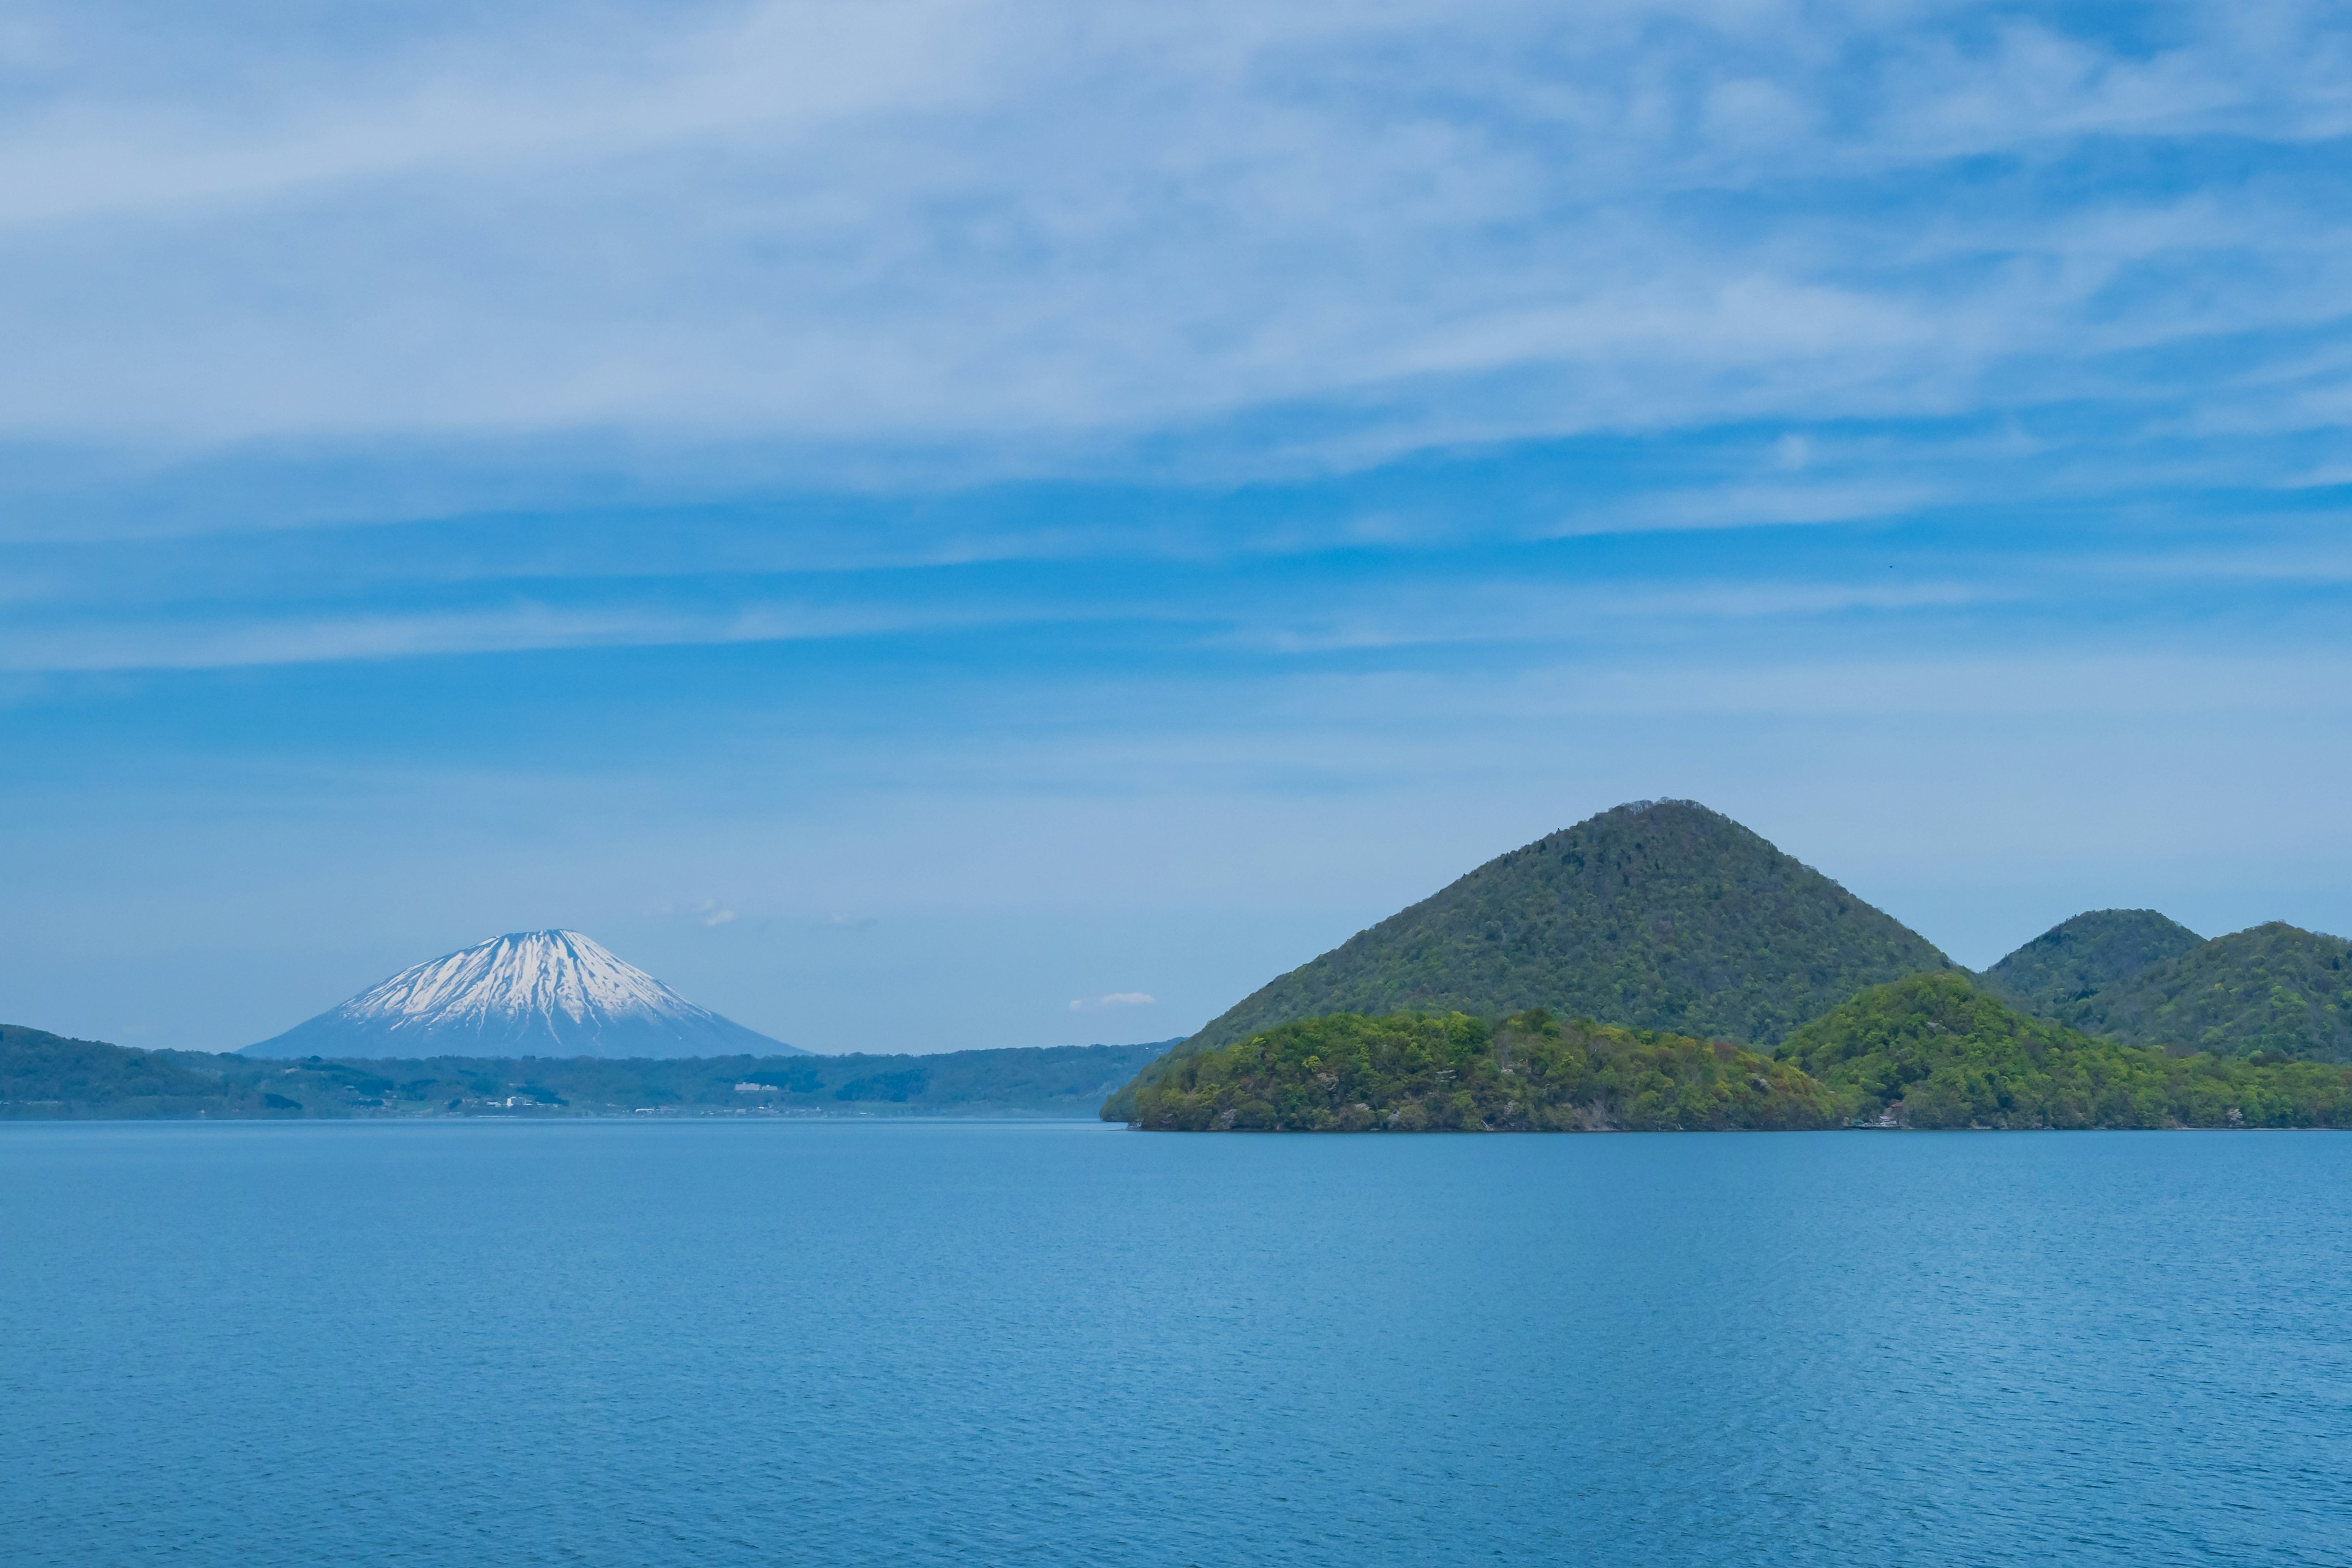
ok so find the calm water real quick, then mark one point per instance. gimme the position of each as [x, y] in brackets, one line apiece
[931, 1344]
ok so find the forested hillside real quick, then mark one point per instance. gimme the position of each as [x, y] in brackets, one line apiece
[2275, 990]
[1936, 1051]
[1658, 915]
[43, 1075]
[2087, 953]
[1411, 1072]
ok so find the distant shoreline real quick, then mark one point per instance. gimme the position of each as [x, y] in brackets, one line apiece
[46, 1076]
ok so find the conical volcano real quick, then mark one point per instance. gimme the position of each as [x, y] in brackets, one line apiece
[1659, 915]
[539, 993]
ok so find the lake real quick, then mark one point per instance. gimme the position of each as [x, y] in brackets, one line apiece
[927, 1343]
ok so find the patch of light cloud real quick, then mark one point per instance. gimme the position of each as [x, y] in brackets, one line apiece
[1113, 999]
[1036, 229]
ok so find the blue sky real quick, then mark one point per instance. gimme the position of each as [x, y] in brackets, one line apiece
[924, 524]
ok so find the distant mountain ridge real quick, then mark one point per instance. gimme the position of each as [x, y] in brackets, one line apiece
[545, 994]
[1655, 915]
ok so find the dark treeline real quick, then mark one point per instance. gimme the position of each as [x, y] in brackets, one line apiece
[45, 1076]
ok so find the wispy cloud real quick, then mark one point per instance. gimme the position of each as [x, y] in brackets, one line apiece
[232, 639]
[960, 221]
[1115, 999]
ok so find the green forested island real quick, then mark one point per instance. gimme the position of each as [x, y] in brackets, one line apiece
[1930, 1051]
[43, 1076]
[1695, 956]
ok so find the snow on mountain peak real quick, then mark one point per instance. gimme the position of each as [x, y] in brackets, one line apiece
[544, 993]
[537, 971]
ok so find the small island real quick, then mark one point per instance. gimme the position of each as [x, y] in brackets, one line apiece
[1658, 967]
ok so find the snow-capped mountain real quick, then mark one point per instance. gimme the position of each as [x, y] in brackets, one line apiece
[537, 994]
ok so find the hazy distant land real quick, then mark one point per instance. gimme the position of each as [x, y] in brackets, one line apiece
[45, 1076]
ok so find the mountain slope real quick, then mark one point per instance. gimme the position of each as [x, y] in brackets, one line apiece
[2087, 953]
[545, 994]
[1933, 1050]
[2275, 989]
[1656, 915]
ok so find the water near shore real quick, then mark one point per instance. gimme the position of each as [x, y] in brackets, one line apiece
[973, 1343]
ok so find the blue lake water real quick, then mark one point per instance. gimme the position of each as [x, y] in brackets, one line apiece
[931, 1344]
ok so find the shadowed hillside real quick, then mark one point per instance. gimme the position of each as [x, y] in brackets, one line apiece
[2275, 989]
[1655, 915]
[2076, 957]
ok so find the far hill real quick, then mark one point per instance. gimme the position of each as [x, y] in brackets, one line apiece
[1411, 1072]
[1656, 915]
[48, 1076]
[2277, 990]
[1934, 1051]
[2094, 950]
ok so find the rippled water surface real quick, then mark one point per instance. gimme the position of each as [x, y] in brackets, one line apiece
[931, 1344]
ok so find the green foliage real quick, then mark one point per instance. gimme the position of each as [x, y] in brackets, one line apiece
[2275, 990]
[2077, 957]
[1934, 1051]
[1656, 915]
[1414, 1072]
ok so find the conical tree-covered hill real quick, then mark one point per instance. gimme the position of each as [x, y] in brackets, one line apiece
[2088, 953]
[2275, 989]
[1656, 915]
